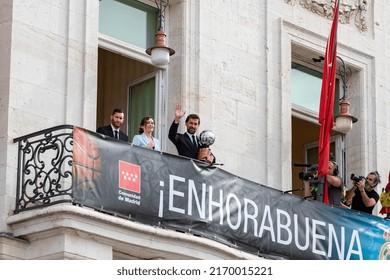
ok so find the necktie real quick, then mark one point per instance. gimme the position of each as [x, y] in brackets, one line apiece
[194, 141]
[116, 134]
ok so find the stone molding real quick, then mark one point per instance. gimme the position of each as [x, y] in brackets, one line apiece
[66, 231]
[350, 10]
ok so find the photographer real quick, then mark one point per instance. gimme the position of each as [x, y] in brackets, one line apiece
[314, 187]
[335, 185]
[363, 195]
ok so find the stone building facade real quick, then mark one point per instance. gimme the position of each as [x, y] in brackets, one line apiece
[233, 66]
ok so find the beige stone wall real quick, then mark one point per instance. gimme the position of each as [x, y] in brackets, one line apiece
[233, 68]
[48, 75]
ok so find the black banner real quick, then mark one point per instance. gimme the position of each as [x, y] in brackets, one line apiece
[188, 195]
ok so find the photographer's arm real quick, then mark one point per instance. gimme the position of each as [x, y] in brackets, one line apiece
[350, 193]
[369, 202]
[334, 180]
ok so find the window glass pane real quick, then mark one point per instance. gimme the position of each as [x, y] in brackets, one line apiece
[142, 102]
[128, 20]
[312, 153]
[306, 88]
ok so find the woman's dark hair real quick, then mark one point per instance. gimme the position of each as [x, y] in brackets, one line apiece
[142, 123]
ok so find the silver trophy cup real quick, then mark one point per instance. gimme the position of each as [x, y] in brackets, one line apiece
[207, 138]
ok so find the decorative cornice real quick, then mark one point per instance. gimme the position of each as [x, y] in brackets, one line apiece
[350, 11]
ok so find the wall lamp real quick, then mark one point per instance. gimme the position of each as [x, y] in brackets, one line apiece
[344, 120]
[160, 52]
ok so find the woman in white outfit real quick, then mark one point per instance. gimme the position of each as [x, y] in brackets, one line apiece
[145, 139]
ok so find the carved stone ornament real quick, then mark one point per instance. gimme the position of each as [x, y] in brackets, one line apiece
[350, 10]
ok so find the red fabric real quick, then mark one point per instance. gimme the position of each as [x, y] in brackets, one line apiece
[325, 117]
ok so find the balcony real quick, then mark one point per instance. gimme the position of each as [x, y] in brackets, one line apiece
[81, 195]
[47, 223]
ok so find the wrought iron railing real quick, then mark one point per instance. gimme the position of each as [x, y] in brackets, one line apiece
[44, 175]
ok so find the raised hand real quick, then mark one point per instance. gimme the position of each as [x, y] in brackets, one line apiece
[179, 113]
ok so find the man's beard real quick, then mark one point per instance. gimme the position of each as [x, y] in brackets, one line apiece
[369, 187]
[191, 130]
[116, 125]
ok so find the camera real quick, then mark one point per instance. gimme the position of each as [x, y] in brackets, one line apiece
[310, 174]
[305, 176]
[356, 178]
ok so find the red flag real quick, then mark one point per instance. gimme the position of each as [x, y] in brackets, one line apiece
[129, 176]
[325, 117]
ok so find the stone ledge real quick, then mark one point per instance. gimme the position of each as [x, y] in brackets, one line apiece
[80, 225]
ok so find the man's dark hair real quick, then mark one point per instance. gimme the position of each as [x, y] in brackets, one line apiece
[377, 177]
[116, 110]
[192, 116]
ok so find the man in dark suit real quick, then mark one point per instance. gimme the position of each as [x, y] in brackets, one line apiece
[113, 129]
[187, 144]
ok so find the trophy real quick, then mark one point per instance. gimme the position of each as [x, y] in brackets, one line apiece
[207, 138]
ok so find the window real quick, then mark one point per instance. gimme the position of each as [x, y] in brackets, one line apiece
[129, 21]
[311, 151]
[141, 104]
[306, 89]
[126, 77]
[126, 80]
[306, 83]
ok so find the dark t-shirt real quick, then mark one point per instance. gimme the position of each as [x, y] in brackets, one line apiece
[334, 193]
[358, 204]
